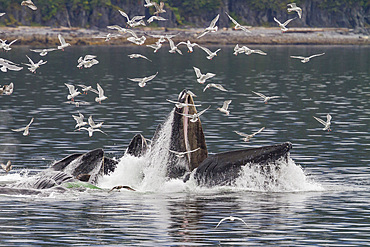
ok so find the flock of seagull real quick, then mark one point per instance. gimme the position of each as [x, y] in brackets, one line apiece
[89, 60]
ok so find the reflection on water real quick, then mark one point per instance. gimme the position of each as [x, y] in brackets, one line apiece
[332, 212]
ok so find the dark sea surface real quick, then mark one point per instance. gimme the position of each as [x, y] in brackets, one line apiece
[321, 197]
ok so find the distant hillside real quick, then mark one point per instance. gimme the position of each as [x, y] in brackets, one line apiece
[187, 13]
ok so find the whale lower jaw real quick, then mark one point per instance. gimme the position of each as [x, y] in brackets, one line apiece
[224, 168]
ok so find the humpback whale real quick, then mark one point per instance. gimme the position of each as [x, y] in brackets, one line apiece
[84, 170]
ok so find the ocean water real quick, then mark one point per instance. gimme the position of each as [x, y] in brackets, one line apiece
[321, 195]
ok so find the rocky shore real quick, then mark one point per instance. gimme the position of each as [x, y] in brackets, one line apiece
[47, 36]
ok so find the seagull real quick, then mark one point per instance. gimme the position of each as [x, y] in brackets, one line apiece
[173, 47]
[212, 27]
[148, 3]
[142, 81]
[8, 65]
[135, 21]
[194, 117]
[218, 86]
[265, 98]
[43, 52]
[63, 43]
[87, 61]
[224, 107]
[7, 89]
[92, 130]
[159, 8]
[77, 103]
[283, 26]
[249, 51]
[327, 123]
[182, 154]
[137, 40]
[238, 49]
[189, 45]
[7, 167]
[6, 46]
[138, 56]
[87, 88]
[293, 7]
[155, 46]
[237, 25]
[1, 14]
[92, 123]
[201, 78]
[307, 59]
[72, 91]
[79, 120]
[29, 4]
[157, 18]
[101, 96]
[34, 66]
[248, 137]
[231, 218]
[25, 129]
[108, 36]
[180, 105]
[210, 54]
[162, 38]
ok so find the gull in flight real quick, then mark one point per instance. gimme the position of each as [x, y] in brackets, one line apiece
[182, 154]
[88, 88]
[155, 46]
[162, 38]
[6, 46]
[173, 47]
[265, 98]
[108, 36]
[25, 130]
[201, 78]
[225, 106]
[218, 86]
[307, 59]
[7, 167]
[135, 21]
[29, 4]
[231, 218]
[327, 123]
[180, 105]
[159, 8]
[138, 56]
[92, 123]
[283, 25]
[248, 137]
[63, 43]
[194, 117]
[238, 49]
[249, 51]
[73, 92]
[189, 45]
[34, 66]
[293, 7]
[7, 89]
[237, 25]
[142, 81]
[101, 95]
[136, 40]
[157, 18]
[212, 27]
[79, 120]
[210, 53]
[148, 3]
[77, 103]
[43, 52]
[8, 65]
[92, 130]
[87, 61]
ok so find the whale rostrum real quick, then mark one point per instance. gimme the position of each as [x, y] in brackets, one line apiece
[186, 136]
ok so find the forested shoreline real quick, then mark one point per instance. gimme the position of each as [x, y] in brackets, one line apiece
[187, 13]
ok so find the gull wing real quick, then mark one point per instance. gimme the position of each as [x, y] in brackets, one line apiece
[200, 113]
[232, 19]
[28, 125]
[328, 118]
[219, 87]
[197, 72]
[13, 67]
[100, 90]
[299, 57]
[221, 222]
[209, 75]
[316, 55]
[287, 22]
[204, 33]
[241, 134]
[149, 78]
[71, 88]
[20, 129]
[136, 79]
[124, 14]
[320, 120]
[260, 94]
[277, 21]
[226, 104]
[61, 39]
[91, 121]
[259, 131]
[205, 49]
[29, 59]
[213, 22]
[291, 5]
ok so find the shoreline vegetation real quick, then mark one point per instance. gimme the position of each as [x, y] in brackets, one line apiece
[48, 36]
